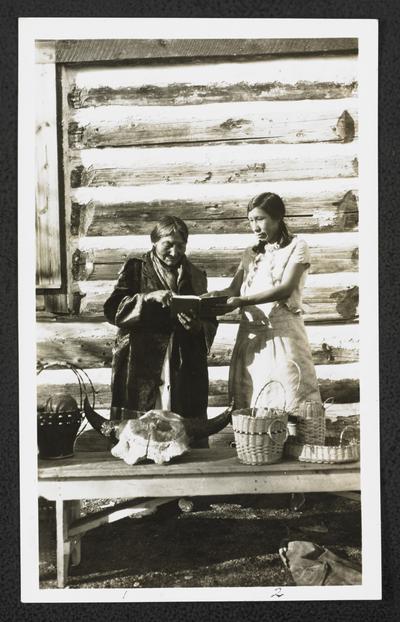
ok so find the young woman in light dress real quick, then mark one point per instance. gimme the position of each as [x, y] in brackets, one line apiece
[272, 341]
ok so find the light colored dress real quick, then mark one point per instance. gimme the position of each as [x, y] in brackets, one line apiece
[272, 335]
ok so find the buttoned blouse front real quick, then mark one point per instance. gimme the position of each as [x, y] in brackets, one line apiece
[263, 271]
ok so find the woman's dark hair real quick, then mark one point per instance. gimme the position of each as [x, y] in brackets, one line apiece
[272, 205]
[168, 225]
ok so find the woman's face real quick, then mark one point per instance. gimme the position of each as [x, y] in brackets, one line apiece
[263, 225]
[170, 249]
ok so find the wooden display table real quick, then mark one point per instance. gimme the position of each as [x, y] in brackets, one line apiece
[215, 471]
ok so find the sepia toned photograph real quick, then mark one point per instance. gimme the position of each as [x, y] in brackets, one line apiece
[199, 230]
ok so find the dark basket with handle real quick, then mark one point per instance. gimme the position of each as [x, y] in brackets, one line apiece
[58, 430]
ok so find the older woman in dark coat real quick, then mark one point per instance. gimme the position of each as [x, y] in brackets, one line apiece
[159, 362]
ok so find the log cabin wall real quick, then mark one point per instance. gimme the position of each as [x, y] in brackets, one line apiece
[197, 136]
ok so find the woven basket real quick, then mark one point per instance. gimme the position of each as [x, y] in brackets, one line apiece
[57, 431]
[340, 449]
[310, 427]
[261, 432]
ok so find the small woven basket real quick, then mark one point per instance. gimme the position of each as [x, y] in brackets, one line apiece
[337, 451]
[57, 431]
[310, 426]
[261, 432]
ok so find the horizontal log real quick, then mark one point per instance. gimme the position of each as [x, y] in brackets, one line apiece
[105, 266]
[215, 164]
[342, 391]
[179, 85]
[268, 122]
[333, 412]
[134, 80]
[102, 258]
[97, 50]
[309, 209]
[181, 94]
[327, 298]
[336, 415]
[90, 345]
[341, 384]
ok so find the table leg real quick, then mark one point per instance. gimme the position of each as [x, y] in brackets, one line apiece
[67, 549]
[74, 514]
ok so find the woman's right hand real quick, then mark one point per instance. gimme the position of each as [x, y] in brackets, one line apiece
[162, 296]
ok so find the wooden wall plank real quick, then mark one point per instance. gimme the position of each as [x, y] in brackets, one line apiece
[336, 213]
[337, 381]
[214, 209]
[101, 258]
[341, 390]
[48, 251]
[90, 345]
[334, 412]
[215, 164]
[327, 298]
[267, 122]
[223, 262]
[98, 50]
[282, 79]
[338, 69]
[182, 94]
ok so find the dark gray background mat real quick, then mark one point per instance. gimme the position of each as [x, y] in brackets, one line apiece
[388, 14]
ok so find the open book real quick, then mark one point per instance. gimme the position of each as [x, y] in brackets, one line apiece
[199, 307]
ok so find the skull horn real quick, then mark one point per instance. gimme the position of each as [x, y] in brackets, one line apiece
[197, 428]
[106, 428]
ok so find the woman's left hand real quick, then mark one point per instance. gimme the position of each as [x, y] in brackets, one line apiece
[190, 323]
[234, 302]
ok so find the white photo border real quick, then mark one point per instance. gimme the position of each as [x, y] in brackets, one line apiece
[366, 31]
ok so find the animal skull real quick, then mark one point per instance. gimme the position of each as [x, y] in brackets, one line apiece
[157, 435]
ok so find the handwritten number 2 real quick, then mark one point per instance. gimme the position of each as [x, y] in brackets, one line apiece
[277, 593]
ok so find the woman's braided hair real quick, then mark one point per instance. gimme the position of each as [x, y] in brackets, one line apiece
[272, 205]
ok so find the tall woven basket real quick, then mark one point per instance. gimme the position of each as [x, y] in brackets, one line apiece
[261, 432]
[311, 426]
[58, 430]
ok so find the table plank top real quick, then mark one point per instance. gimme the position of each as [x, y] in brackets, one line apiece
[213, 461]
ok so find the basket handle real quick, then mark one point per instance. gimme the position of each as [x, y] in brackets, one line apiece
[279, 382]
[346, 427]
[253, 411]
[80, 375]
[269, 431]
[328, 403]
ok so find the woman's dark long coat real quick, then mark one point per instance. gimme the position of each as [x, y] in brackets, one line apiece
[144, 333]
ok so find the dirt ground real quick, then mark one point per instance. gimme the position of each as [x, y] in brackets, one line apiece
[222, 542]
